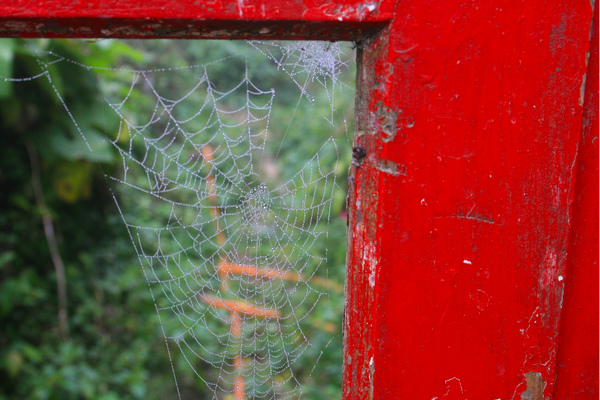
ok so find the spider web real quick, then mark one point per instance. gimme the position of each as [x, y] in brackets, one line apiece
[223, 213]
[230, 254]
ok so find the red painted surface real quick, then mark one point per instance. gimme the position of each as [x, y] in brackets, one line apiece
[290, 19]
[578, 345]
[462, 237]
[471, 114]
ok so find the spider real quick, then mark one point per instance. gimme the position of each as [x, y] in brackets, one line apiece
[358, 155]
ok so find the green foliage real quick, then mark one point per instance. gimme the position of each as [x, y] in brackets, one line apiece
[115, 348]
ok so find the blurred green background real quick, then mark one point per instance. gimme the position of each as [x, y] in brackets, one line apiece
[110, 346]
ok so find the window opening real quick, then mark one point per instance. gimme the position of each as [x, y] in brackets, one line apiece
[232, 187]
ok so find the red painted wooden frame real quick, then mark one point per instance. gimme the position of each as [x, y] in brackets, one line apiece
[473, 250]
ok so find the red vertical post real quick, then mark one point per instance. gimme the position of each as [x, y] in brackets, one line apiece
[470, 115]
[577, 370]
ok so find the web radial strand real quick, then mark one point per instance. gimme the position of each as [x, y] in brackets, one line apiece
[231, 250]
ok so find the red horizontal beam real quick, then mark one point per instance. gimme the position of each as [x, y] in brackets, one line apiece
[217, 19]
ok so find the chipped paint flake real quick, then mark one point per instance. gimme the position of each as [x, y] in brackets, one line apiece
[535, 387]
[390, 167]
[384, 122]
[370, 263]
[582, 87]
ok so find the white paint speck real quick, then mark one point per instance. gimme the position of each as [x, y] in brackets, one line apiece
[423, 203]
[340, 19]
[372, 278]
[560, 278]
[371, 7]
[467, 262]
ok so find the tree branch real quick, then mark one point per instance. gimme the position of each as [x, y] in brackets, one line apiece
[61, 285]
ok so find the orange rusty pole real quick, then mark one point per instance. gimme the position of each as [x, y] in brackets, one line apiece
[226, 268]
[239, 385]
[236, 308]
[212, 194]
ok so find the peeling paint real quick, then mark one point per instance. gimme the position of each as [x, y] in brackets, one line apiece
[535, 358]
[390, 167]
[370, 261]
[384, 121]
[535, 387]
[582, 89]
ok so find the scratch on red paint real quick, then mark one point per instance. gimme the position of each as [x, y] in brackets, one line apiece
[481, 299]
[550, 269]
[443, 313]
[454, 390]
[534, 369]
[347, 11]
[475, 217]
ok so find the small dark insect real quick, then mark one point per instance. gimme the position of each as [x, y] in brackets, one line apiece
[358, 155]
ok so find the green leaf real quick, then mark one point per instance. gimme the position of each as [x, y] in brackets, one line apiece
[138, 389]
[32, 353]
[73, 181]
[14, 362]
[7, 257]
[107, 53]
[54, 144]
[10, 110]
[109, 396]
